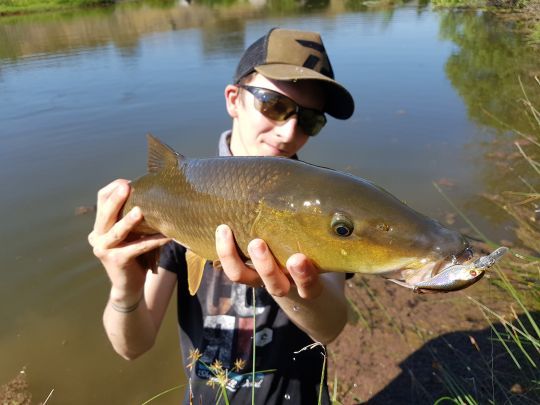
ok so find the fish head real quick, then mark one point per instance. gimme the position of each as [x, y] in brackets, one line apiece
[347, 224]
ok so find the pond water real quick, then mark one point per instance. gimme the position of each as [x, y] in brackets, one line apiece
[436, 92]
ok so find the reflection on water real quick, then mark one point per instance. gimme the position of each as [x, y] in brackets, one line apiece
[486, 68]
[79, 90]
[124, 24]
[121, 27]
[491, 72]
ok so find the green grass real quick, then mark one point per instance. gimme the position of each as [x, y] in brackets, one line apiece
[459, 3]
[497, 4]
[535, 34]
[517, 331]
[34, 6]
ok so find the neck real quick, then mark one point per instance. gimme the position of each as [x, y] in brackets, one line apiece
[237, 149]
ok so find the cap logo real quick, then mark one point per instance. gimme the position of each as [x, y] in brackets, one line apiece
[311, 44]
[312, 60]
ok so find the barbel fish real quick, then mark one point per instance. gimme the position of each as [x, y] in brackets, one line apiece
[341, 222]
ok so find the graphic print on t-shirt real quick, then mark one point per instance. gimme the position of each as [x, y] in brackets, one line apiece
[228, 329]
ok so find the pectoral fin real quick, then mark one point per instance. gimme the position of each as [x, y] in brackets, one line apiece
[401, 283]
[195, 268]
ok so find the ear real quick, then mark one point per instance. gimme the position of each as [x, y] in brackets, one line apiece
[232, 100]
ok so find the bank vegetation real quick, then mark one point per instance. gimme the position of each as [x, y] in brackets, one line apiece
[524, 13]
[10, 7]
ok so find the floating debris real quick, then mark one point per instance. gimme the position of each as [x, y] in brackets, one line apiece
[85, 209]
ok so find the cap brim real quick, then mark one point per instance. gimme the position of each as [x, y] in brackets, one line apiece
[339, 102]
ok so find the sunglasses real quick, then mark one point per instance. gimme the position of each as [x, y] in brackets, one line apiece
[280, 108]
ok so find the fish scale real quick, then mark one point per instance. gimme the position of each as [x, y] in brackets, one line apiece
[213, 192]
[222, 193]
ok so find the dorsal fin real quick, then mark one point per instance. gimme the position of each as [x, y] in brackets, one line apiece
[161, 156]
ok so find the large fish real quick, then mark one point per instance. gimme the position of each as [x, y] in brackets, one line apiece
[341, 222]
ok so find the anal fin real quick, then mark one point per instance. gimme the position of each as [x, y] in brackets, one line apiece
[195, 268]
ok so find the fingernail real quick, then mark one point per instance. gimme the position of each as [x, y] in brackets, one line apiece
[122, 190]
[257, 248]
[221, 232]
[300, 270]
[135, 213]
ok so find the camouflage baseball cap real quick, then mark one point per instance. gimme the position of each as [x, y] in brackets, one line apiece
[284, 54]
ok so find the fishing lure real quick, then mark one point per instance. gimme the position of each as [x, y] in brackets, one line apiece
[457, 277]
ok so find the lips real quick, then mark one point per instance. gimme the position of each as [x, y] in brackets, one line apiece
[277, 151]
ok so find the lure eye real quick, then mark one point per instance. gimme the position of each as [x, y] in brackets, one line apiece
[342, 225]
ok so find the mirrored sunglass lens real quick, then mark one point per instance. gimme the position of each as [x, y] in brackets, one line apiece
[311, 121]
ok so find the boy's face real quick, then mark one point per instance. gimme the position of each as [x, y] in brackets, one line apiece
[254, 134]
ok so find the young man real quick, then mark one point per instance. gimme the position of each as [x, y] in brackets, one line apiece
[283, 86]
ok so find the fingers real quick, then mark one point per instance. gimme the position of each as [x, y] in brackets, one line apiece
[120, 257]
[106, 191]
[110, 200]
[120, 230]
[119, 250]
[111, 238]
[233, 266]
[275, 281]
[305, 276]
[145, 245]
[117, 236]
[267, 271]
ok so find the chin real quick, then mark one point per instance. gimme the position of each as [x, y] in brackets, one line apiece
[272, 151]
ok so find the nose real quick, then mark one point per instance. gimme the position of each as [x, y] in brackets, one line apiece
[288, 129]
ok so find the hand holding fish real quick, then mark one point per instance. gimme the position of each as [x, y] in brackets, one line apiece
[114, 247]
[266, 271]
[313, 301]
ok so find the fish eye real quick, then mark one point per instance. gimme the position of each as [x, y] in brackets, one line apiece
[341, 225]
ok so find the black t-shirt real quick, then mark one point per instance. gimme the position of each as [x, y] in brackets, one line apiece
[218, 323]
